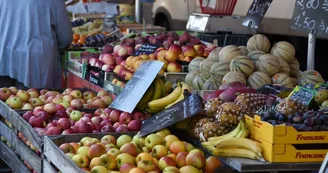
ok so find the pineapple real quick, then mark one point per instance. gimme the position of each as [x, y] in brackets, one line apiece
[229, 114]
[212, 106]
[207, 127]
[251, 102]
[288, 107]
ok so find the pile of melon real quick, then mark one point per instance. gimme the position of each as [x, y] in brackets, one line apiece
[256, 64]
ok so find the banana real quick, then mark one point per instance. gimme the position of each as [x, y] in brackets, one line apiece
[244, 131]
[157, 91]
[232, 134]
[153, 111]
[163, 90]
[240, 143]
[147, 96]
[181, 97]
[163, 102]
[168, 87]
[236, 152]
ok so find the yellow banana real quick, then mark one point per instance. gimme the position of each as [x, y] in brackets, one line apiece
[181, 97]
[232, 134]
[157, 90]
[236, 152]
[147, 96]
[161, 103]
[163, 90]
[168, 87]
[244, 131]
[153, 111]
[240, 143]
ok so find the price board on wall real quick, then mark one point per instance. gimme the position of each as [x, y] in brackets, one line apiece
[311, 15]
[256, 13]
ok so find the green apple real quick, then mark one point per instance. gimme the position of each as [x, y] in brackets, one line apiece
[70, 155]
[153, 140]
[75, 115]
[114, 152]
[81, 160]
[124, 159]
[169, 139]
[123, 140]
[159, 151]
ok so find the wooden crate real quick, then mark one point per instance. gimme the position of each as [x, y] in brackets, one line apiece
[25, 152]
[54, 155]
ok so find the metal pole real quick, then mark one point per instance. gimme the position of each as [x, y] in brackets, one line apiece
[138, 11]
[311, 50]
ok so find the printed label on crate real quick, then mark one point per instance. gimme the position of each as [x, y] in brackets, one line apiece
[187, 108]
[135, 88]
[302, 95]
[321, 87]
[146, 49]
[256, 13]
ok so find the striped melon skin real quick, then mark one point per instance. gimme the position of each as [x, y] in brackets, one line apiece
[294, 68]
[242, 64]
[258, 79]
[190, 77]
[198, 82]
[229, 52]
[234, 76]
[194, 64]
[295, 82]
[258, 42]
[283, 80]
[205, 67]
[211, 84]
[215, 53]
[219, 69]
[269, 64]
[244, 50]
[255, 55]
[284, 50]
[284, 67]
[310, 77]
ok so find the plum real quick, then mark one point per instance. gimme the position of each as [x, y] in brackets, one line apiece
[297, 127]
[316, 121]
[290, 118]
[309, 122]
[309, 114]
[316, 128]
[305, 128]
[297, 119]
[282, 118]
[324, 120]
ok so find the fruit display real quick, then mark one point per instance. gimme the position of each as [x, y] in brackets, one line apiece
[56, 120]
[157, 152]
[32, 98]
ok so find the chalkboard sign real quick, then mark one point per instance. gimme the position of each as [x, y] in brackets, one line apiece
[256, 13]
[302, 95]
[146, 49]
[184, 109]
[311, 15]
[135, 88]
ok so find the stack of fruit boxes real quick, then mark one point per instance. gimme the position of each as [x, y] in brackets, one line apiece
[283, 143]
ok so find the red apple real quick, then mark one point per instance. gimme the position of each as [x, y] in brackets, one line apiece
[122, 128]
[189, 51]
[84, 128]
[135, 125]
[5, 93]
[108, 110]
[107, 128]
[176, 48]
[86, 119]
[52, 124]
[98, 103]
[125, 118]
[174, 67]
[138, 116]
[107, 58]
[67, 132]
[45, 116]
[98, 112]
[50, 108]
[53, 131]
[115, 115]
[93, 126]
[37, 110]
[27, 115]
[105, 122]
[61, 114]
[64, 123]
[88, 115]
[105, 116]
[116, 125]
[96, 120]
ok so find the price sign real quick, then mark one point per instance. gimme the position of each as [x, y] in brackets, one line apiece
[146, 49]
[133, 91]
[302, 95]
[311, 15]
[184, 109]
[256, 13]
[197, 22]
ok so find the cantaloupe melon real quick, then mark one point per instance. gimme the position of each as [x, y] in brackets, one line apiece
[310, 77]
[219, 69]
[229, 52]
[244, 50]
[258, 79]
[283, 80]
[215, 53]
[194, 64]
[294, 68]
[211, 84]
[191, 76]
[242, 64]
[284, 67]
[234, 76]
[258, 42]
[295, 82]
[255, 55]
[205, 67]
[198, 82]
[284, 50]
[269, 64]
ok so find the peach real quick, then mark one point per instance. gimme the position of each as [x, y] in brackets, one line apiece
[171, 56]
[189, 51]
[177, 147]
[196, 159]
[130, 149]
[160, 55]
[199, 49]
[174, 67]
[211, 164]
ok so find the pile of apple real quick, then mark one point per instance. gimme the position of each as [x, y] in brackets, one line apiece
[118, 83]
[54, 119]
[160, 152]
[32, 98]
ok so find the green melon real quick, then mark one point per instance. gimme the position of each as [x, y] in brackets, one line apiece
[219, 69]
[294, 68]
[242, 64]
[258, 42]
[198, 82]
[283, 80]
[234, 76]
[205, 67]
[310, 77]
[258, 79]
[229, 52]
[284, 67]
[244, 50]
[211, 84]
[284, 50]
[255, 55]
[190, 77]
[215, 53]
[269, 64]
[194, 64]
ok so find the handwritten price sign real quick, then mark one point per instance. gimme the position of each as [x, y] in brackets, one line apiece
[311, 15]
[256, 13]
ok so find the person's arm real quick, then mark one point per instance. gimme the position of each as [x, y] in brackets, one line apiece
[62, 25]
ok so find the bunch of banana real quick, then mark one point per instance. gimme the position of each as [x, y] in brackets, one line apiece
[184, 87]
[235, 144]
[156, 91]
